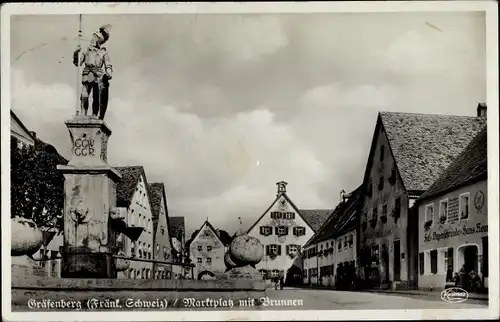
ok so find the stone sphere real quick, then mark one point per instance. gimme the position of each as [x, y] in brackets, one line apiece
[26, 238]
[246, 250]
[229, 261]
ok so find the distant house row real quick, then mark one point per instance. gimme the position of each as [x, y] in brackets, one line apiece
[162, 238]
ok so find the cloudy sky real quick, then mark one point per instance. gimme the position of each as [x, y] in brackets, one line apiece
[221, 107]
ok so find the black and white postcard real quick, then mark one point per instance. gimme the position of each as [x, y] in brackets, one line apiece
[250, 161]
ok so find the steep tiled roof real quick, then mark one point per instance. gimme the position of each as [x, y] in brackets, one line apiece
[341, 220]
[176, 224]
[126, 186]
[423, 145]
[315, 217]
[470, 166]
[156, 192]
[197, 232]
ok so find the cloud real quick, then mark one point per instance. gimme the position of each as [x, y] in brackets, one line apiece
[211, 167]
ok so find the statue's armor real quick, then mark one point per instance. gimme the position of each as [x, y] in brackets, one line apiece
[97, 70]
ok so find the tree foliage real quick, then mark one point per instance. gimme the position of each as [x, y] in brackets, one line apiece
[37, 187]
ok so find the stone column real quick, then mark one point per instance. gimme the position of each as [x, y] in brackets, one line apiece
[90, 195]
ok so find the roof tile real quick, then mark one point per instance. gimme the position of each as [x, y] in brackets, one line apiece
[470, 166]
[423, 145]
[126, 186]
[315, 217]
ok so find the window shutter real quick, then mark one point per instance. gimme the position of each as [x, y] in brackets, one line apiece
[286, 231]
[295, 231]
[261, 230]
[279, 249]
[298, 248]
[267, 250]
[287, 249]
[276, 231]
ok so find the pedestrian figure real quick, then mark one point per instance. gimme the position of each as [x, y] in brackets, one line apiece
[282, 281]
[276, 281]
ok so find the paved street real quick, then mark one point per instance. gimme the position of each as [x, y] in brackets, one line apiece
[315, 299]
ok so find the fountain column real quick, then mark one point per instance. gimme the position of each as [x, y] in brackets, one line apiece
[89, 200]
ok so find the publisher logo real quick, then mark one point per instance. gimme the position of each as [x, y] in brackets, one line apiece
[454, 295]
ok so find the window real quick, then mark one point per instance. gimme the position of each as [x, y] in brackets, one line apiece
[345, 242]
[266, 230]
[381, 183]
[274, 273]
[209, 247]
[276, 215]
[397, 206]
[132, 248]
[421, 263]
[200, 248]
[162, 229]
[273, 250]
[339, 244]
[299, 231]
[463, 206]
[199, 260]
[209, 260]
[292, 249]
[289, 215]
[429, 213]
[382, 152]
[434, 258]
[281, 230]
[165, 256]
[375, 213]
[443, 211]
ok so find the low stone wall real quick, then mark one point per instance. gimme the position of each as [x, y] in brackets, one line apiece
[53, 294]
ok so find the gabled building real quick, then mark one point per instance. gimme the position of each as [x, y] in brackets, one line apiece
[453, 219]
[161, 232]
[407, 154]
[331, 252]
[283, 229]
[18, 131]
[206, 251]
[133, 194]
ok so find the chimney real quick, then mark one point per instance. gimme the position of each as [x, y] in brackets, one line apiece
[281, 188]
[481, 110]
[33, 134]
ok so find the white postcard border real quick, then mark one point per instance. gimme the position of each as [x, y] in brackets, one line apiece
[490, 7]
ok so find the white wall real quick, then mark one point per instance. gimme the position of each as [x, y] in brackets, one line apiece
[139, 215]
[282, 262]
[453, 233]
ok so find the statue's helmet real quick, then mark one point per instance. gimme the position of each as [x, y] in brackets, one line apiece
[102, 34]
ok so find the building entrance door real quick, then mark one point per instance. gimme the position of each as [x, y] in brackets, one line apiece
[397, 260]
[470, 258]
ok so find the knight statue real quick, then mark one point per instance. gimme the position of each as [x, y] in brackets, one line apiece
[97, 71]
